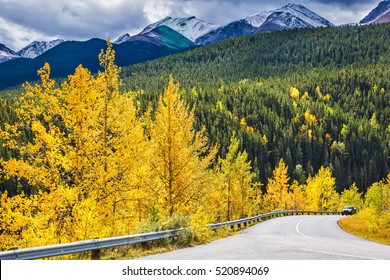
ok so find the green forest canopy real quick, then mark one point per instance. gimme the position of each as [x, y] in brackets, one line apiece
[249, 86]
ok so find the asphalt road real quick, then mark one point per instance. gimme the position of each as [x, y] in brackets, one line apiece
[286, 238]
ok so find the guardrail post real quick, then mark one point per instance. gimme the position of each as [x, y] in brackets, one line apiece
[96, 254]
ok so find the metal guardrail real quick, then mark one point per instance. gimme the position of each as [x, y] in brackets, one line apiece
[95, 245]
[87, 245]
[257, 218]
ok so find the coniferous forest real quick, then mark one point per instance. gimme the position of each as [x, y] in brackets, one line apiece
[296, 119]
[314, 97]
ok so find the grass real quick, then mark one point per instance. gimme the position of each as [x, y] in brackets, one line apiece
[371, 229]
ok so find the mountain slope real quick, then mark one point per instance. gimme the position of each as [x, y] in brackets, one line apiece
[190, 27]
[306, 15]
[122, 39]
[380, 14]
[287, 17]
[37, 48]
[243, 86]
[163, 36]
[65, 57]
[7, 54]
[385, 18]
[228, 31]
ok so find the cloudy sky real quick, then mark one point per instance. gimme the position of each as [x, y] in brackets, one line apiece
[22, 22]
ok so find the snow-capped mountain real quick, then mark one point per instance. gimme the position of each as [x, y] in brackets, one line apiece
[287, 17]
[190, 27]
[381, 14]
[37, 48]
[231, 30]
[305, 15]
[122, 39]
[7, 54]
[163, 36]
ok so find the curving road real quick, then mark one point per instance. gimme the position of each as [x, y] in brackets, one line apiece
[286, 238]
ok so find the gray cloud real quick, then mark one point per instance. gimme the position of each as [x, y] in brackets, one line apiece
[348, 3]
[24, 21]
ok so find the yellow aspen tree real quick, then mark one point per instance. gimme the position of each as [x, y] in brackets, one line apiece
[180, 157]
[277, 196]
[386, 193]
[114, 147]
[297, 197]
[237, 188]
[352, 196]
[81, 148]
[321, 191]
[14, 219]
[37, 137]
[227, 168]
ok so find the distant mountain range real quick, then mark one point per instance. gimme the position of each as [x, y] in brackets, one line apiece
[165, 37]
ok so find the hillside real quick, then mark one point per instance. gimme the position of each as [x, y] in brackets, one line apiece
[314, 97]
[243, 86]
[65, 57]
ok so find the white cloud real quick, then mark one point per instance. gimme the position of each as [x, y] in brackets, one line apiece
[24, 21]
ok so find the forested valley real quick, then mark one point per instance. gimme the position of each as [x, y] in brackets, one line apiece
[314, 97]
[296, 119]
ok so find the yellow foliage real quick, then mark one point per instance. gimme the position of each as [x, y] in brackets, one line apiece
[297, 199]
[294, 93]
[321, 191]
[179, 156]
[264, 140]
[310, 118]
[318, 92]
[199, 223]
[305, 96]
[237, 186]
[84, 163]
[277, 196]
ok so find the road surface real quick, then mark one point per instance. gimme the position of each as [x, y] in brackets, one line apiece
[286, 238]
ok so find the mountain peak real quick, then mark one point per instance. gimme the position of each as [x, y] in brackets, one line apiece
[295, 6]
[122, 39]
[7, 54]
[306, 15]
[190, 27]
[37, 48]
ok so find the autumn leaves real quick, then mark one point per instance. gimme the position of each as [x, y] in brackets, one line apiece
[95, 166]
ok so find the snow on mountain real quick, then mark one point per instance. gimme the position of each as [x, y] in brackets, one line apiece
[122, 39]
[37, 48]
[163, 36]
[306, 15]
[231, 30]
[190, 27]
[258, 19]
[7, 54]
[280, 20]
[380, 14]
[287, 17]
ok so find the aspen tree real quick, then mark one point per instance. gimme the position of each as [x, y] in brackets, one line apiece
[238, 187]
[180, 157]
[277, 196]
[80, 150]
[321, 191]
